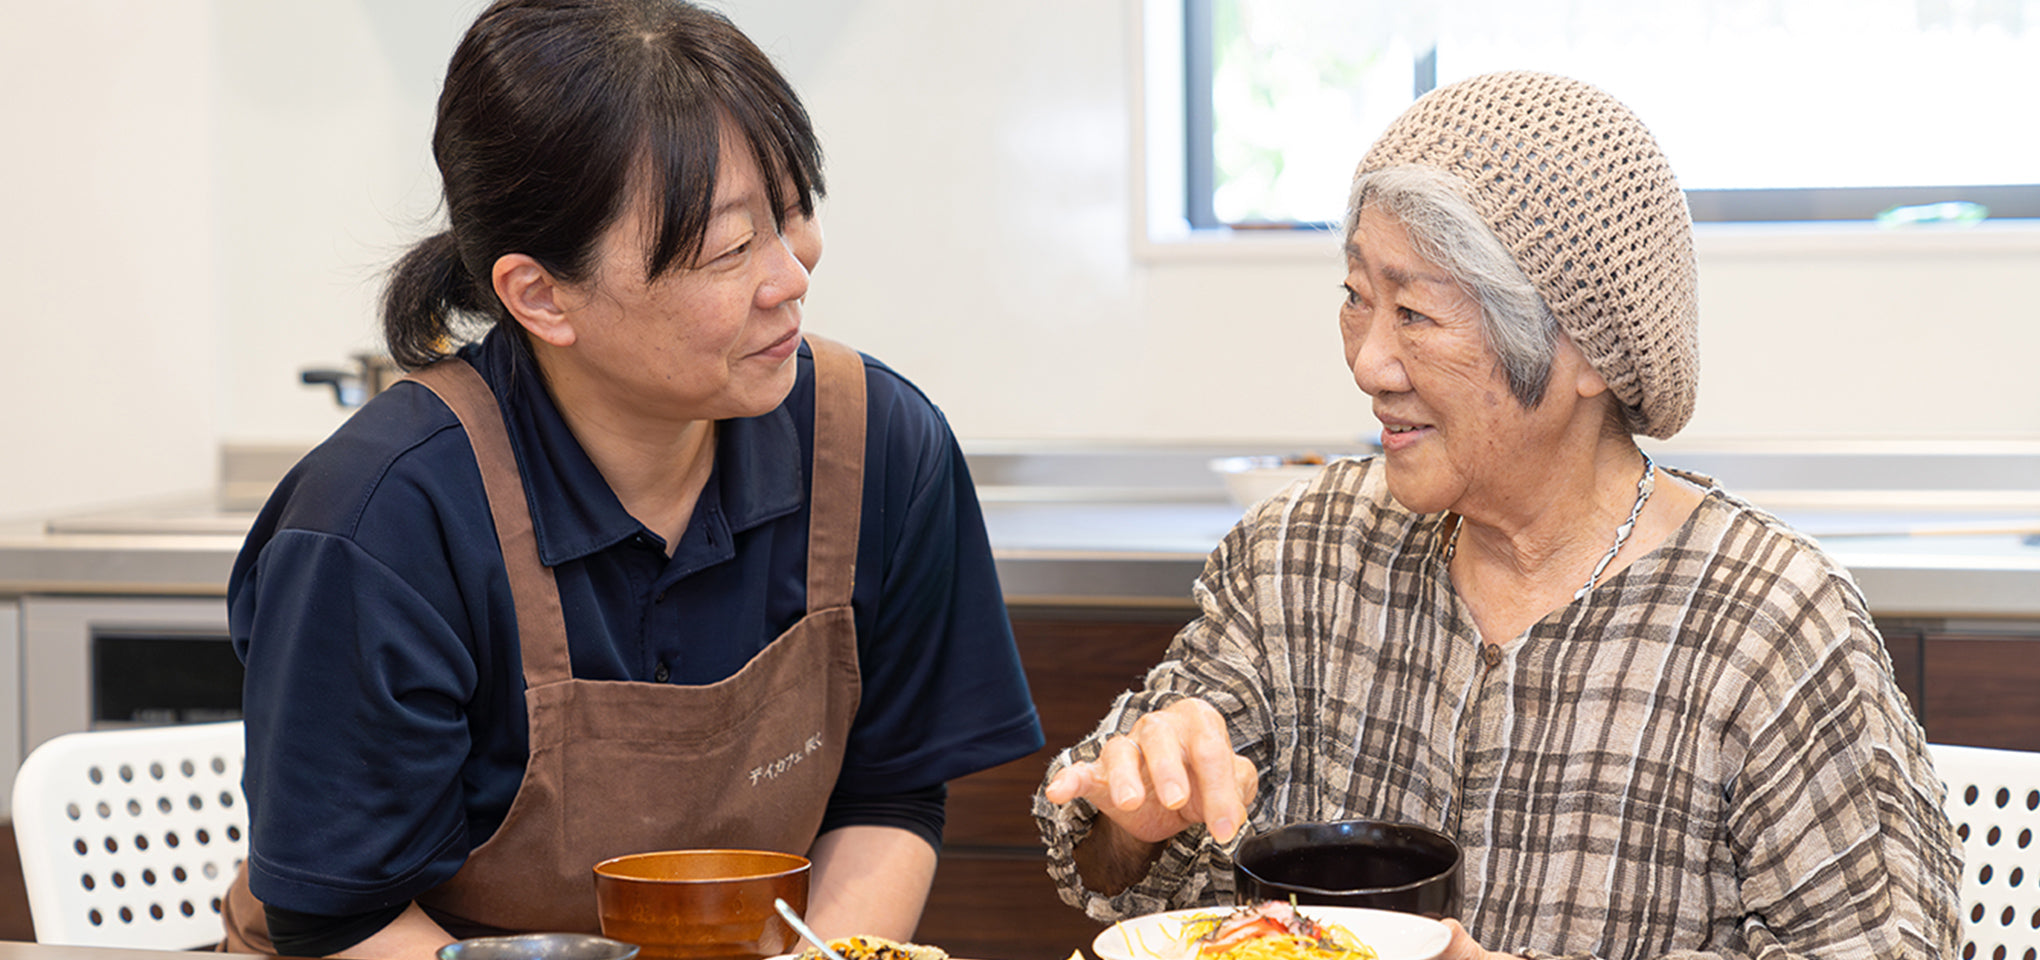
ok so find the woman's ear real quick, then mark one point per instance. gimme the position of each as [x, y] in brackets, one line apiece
[1586, 381]
[533, 297]
[1591, 384]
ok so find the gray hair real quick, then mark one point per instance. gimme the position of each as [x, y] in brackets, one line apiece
[1444, 229]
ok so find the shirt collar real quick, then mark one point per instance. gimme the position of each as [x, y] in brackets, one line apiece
[759, 469]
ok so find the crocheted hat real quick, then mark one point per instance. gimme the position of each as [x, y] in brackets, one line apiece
[1580, 194]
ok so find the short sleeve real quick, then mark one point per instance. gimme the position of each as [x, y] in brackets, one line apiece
[1877, 869]
[944, 693]
[356, 734]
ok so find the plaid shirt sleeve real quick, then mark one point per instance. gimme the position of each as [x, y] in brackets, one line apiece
[1838, 844]
[1213, 658]
[1836, 820]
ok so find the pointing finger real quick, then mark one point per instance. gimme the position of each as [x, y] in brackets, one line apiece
[1069, 783]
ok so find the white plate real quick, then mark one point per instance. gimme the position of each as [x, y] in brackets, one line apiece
[1395, 936]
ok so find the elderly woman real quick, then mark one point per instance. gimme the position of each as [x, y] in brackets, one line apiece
[1657, 720]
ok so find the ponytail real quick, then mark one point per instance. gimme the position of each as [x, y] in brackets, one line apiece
[430, 293]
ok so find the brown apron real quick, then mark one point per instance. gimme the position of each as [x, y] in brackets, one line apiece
[625, 767]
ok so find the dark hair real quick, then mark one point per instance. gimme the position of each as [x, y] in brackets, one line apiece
[555, 113]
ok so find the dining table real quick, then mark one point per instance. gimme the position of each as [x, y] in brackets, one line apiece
[20, 950]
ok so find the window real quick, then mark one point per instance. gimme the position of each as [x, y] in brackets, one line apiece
[1770, 110]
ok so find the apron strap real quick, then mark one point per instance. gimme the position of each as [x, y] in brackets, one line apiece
[540, 623]
[836, 505]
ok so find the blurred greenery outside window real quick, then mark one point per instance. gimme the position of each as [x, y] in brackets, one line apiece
[1769, 110]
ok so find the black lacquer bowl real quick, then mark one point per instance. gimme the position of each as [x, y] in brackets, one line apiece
[1352, 863]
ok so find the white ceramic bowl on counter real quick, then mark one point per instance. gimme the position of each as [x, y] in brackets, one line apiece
[1250, 480]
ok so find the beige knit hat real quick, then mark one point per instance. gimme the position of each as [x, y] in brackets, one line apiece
[1579, 193]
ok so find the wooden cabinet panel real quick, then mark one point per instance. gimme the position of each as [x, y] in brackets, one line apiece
[1075, 668]
[995, 807]
[1983, 690]
[1908, 666]
[1001, 907]
[992, 897]
[14, 920]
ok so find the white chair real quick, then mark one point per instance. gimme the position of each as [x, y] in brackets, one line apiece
[130, 837]
[1994, 802]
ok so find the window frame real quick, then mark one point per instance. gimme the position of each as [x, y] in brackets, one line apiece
[1192, 75]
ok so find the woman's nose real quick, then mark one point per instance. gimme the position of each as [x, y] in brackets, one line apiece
[1372, 352]
[793, 259]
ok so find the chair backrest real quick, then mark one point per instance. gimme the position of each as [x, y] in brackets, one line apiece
[1994, 802]
[129, 837]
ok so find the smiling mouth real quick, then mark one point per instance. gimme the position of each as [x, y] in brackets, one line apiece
[781, 348]
[1396, 437]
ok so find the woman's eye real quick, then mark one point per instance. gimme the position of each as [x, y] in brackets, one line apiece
[1352, 296]
[736, 250]
[1406, 315]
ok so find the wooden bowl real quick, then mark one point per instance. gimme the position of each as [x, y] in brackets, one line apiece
[1351, 863]
[701, 904]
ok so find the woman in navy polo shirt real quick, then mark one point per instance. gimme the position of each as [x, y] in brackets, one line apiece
[642, 567]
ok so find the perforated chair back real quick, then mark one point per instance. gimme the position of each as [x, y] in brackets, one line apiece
[1994, 802]
[129, 838]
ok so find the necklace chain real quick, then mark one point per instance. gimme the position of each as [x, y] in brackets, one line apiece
[1644, 486]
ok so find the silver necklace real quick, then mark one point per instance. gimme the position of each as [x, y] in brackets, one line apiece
[1644, 486]
[1643, 490]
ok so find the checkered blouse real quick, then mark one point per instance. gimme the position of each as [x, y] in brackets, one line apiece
[1707, 753]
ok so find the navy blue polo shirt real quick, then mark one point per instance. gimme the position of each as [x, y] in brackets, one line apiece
[384, 693]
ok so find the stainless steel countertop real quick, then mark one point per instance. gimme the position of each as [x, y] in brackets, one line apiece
[1150, 553]
[1927, 531]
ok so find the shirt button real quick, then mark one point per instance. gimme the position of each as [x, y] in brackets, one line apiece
[1491, 654]
[660, 673]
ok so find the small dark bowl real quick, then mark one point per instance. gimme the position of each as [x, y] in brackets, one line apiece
[539, 946]
[1351, 863]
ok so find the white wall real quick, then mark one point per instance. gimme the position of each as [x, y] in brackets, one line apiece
[211, 187]
[109, 363]
[325, 122]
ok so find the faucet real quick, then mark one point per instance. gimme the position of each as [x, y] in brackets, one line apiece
[372, 373]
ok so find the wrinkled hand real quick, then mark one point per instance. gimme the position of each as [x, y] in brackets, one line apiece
[1463, 947]
[1175, 769]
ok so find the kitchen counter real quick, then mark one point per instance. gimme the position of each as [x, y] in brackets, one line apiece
[1928, 532]
[1110, 554]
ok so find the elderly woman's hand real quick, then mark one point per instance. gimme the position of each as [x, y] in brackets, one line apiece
[1463, 947]
[1175, 769]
